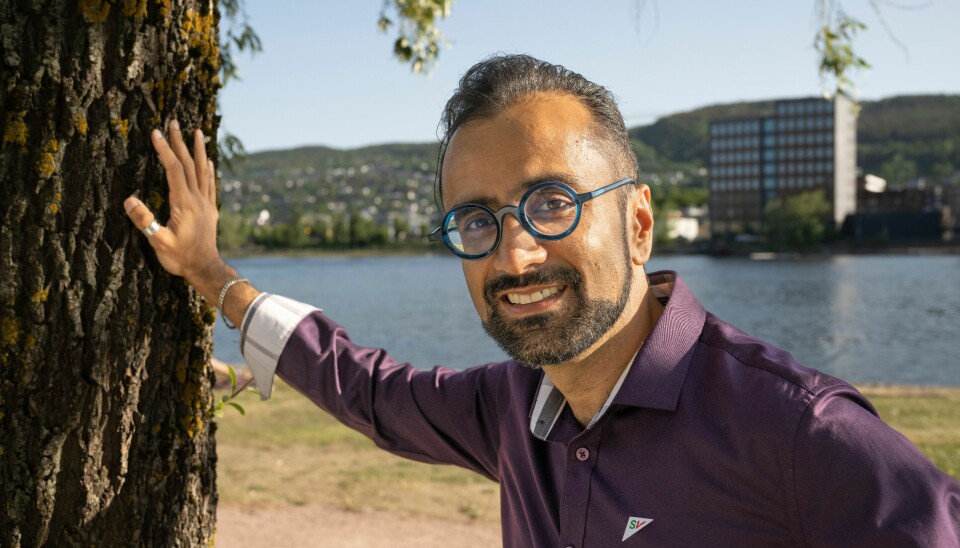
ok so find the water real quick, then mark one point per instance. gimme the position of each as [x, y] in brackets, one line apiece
[865, 319]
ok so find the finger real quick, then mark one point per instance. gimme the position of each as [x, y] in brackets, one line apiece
[200, 158]
[172, 166]
[141, 216]
[183, 154]
[138, 212]
[212, 186]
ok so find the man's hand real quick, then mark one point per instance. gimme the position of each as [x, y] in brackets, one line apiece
[187, 245]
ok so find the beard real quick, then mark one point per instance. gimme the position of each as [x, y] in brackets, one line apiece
[554, 337]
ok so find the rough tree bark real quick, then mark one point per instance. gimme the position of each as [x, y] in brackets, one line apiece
[105, 392]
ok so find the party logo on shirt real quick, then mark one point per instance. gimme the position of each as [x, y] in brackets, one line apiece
[634, 524]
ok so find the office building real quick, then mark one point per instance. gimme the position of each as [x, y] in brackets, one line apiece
[808, 144]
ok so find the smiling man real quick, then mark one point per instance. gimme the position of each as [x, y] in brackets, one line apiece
[628, 414]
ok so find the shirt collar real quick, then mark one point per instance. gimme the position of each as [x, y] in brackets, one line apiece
[655, 376]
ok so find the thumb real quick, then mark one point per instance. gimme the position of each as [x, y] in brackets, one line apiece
[145, 221]
[138, 212]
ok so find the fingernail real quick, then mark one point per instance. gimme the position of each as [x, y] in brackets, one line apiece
[175, 125]
[157, 134]
[130, 203]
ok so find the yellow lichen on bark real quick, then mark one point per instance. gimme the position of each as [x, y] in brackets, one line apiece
[47, 164]
[9, 331]
[136, 9]
[164, 9]
[121, 125]
[201, 35]
[15, 129]
[94, 11]
[159, 89]
[55, 206]
[79, 123]
[40, 296]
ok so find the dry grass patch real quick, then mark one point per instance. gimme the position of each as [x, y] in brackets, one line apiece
[286, 451]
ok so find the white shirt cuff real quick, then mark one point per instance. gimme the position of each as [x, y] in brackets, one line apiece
[267, 326]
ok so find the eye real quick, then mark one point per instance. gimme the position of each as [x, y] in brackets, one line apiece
[549, 202]
[477, 222]
[473, 219]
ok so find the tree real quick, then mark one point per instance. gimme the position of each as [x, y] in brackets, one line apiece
[105, 391]
[798, 221]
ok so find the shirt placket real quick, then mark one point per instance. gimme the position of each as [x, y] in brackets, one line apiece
[582, 454]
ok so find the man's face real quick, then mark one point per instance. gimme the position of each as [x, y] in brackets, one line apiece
[544, 302]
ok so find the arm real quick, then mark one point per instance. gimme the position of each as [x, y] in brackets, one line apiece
[187, 245]
[858, 482]
[445, 416]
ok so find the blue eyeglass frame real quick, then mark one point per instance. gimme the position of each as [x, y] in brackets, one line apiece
[440, 233]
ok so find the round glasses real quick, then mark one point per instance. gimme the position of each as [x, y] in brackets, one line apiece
[548, 211]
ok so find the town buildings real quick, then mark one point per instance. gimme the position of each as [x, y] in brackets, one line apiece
[807, 145]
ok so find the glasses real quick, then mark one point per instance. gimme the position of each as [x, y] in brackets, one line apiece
[548, 211]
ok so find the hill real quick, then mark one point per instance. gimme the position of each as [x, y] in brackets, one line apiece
[323, 190]
[922, 130]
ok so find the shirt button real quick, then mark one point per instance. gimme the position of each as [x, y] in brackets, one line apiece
[583, 454]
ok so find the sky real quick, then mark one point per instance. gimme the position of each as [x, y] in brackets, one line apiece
[328, 77]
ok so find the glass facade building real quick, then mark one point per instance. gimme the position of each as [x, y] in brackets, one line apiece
[808, 144]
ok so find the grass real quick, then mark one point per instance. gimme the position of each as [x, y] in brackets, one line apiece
[286, 451]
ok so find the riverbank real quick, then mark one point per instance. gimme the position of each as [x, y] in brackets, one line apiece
[666, 250]
[289, 475]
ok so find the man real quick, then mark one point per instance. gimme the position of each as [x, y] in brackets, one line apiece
[628, 414]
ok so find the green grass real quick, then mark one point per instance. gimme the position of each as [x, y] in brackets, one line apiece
[929, 417]
[286, 451]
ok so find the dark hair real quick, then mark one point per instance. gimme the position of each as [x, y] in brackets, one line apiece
[498, 82]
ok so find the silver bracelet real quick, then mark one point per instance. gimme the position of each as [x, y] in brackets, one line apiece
[223, 293]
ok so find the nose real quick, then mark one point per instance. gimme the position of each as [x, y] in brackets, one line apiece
[518, 251]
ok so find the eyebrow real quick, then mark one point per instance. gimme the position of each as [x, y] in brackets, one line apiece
[523, 186]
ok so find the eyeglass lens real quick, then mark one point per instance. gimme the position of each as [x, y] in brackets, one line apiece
[549, 210]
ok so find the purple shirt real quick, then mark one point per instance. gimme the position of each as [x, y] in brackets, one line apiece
[714, 438]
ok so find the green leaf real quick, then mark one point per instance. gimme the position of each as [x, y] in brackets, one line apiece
[237, 406]
[233, 378]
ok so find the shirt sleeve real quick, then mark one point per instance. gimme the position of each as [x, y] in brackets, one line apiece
[267, 326]
[858, 482]
[437, 416]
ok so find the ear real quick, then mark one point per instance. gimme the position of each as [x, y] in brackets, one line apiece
[640, 224]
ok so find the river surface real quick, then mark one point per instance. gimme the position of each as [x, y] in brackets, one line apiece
[866, 319]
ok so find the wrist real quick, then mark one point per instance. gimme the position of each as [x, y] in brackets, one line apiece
[208, 279]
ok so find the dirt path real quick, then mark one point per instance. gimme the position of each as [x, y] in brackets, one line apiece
[314, 526]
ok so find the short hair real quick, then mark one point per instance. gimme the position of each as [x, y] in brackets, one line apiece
[498, 82]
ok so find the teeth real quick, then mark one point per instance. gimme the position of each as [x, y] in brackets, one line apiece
[516, 298]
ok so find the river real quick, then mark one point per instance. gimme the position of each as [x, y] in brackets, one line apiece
[866, 319]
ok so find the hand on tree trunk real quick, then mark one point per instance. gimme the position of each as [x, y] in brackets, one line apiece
[187, 245]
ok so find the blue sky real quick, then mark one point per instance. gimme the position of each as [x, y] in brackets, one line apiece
[327, 76]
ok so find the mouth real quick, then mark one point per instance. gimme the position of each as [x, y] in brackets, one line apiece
[536, 296]
[531, 300]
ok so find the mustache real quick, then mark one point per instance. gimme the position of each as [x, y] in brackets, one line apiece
[560, 275]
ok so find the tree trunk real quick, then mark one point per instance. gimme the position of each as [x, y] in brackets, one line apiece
[105, 392]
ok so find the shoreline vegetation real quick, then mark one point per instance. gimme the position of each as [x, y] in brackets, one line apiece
[286, 457]
[661, 250]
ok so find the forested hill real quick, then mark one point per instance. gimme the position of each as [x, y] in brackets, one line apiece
[899, 138]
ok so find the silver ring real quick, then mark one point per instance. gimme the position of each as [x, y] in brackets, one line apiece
[151, 229]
